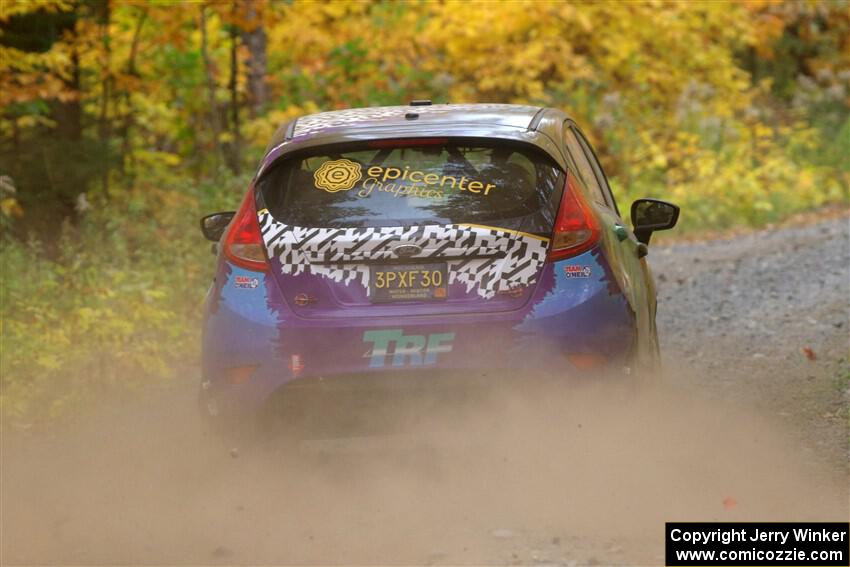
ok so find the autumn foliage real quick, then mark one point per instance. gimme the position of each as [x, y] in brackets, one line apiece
[122, 121]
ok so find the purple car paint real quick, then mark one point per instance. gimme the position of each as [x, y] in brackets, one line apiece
[469, 239]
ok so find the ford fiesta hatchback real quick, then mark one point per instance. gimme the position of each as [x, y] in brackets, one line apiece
[414, 238]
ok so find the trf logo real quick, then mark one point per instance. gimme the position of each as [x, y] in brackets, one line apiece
[413, 350]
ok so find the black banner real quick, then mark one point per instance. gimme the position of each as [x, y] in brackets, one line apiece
[754, 543]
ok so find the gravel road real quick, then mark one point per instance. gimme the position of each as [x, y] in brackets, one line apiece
[743, 313]
[744, 427]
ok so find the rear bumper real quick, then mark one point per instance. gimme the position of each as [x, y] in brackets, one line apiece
[253, 344]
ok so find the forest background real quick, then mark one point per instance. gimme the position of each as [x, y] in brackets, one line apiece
[122, 122]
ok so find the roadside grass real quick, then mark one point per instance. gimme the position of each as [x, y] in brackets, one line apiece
[110, 304]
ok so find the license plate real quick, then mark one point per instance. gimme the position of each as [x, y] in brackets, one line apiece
[409, 282]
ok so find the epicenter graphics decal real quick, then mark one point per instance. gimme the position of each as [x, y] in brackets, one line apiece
[337, 175]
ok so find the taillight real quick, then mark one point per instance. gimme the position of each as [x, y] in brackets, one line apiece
[576, 229]
[407, 142]
[243, 244]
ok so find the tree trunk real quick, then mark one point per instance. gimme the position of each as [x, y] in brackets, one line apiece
[127, 120]
[254, 37]
[213, 114]
[69, 114]
[236, 144]
[104, 127]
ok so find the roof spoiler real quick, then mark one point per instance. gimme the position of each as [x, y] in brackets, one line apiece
[290, 130]
[536, 119]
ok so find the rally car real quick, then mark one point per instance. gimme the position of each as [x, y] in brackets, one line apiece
[425, 238]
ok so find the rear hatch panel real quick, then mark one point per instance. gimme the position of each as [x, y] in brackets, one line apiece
[488, 269]
[394, 227]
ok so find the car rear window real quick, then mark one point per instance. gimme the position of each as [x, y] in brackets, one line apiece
[404, 183]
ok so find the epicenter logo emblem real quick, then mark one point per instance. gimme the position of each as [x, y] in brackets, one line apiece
[337, 175]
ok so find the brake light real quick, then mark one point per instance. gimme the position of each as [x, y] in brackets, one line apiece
[243, 244]
[576, 227]
[407, 142]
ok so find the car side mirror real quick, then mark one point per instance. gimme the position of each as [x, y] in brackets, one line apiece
[214, 225]
[649, 215]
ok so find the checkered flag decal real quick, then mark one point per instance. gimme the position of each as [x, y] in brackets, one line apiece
[333, 252]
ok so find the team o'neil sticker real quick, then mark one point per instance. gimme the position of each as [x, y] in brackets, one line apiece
[246, 282]
[578, 271]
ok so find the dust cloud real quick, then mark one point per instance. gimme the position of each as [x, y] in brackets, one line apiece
[435, 470]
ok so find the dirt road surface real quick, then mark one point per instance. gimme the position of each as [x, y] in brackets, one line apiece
[764, 319]
[745, 426]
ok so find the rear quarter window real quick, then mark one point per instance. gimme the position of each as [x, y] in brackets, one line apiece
[585, 169]
[392, 183]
